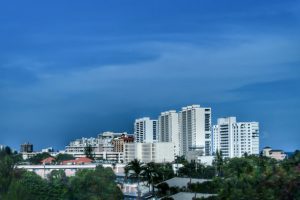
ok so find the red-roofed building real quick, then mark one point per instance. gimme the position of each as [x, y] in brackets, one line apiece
[78, 161]
[48, 161]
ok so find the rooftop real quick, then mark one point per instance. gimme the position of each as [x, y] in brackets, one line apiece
[189, 195]
[182, 182]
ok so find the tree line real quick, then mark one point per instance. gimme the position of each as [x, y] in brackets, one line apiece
[18, 184]
[249, 177]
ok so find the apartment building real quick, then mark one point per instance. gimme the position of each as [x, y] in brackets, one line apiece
[234, 138]
[168, 127]
[195, 129]
[159, 152]
[146, 130]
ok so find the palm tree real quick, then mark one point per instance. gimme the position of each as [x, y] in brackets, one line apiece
[135, 170]
[218, 163]
[150, 172]
[126, 171]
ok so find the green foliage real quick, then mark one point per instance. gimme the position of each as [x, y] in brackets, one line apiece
[149, 174]
[205, 187]
[196, 170]
[152, 173]
[18, 184]
[165, 172]
[98, 184]
[8, 160]
[163, 188]
[250, 177]
[180, 159]
[38, 158]
[62, 157]
[135, 169]
[6, 172]
[218, 163]
[253, 177]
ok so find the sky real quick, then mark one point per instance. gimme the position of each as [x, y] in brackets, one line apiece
[72, 69]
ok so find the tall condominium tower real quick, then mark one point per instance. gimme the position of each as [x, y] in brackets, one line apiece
[168, 129]
[146, 130]
[195, 129]
[235, 139]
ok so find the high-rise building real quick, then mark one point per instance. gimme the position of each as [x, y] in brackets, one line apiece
[146, 130]
[234, 139]
[168, 128]
[195, 129]
[26, 148]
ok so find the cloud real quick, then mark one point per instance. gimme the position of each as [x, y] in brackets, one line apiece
[88, 76]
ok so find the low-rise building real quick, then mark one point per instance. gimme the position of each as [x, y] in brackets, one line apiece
[78, 161]
[198, 157]
[48, 161]
[107, 146]
[48, 150]
[45, 170]
[190, 196]
[159, 152]
[26, 156]
[69, 169]
[276, 154]
[79, 145]
[119, 142]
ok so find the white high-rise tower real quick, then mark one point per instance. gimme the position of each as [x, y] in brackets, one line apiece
[235, 139]
[146, 130]
[195, 129]
[168, 129]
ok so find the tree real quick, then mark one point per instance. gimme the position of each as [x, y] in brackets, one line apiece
[30, 186]
[8, 160]
[149, 173]
[163, 188]
[254, 177]
[136, 171]
[126, 171]
[6, 173]
[63, 156]
[88, 151]
[16, 184]
[165, 172]
[218, 163]
[38, 158]
[94, 184]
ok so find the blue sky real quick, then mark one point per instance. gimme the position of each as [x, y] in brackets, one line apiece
[71, 68]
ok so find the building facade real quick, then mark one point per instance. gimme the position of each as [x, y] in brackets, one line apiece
[195, 129]
[107, 146]
[275, 154]
[168, 128]
[26, 148]
[119, 142]
[146, 130]
[234, 139]
[159, 152]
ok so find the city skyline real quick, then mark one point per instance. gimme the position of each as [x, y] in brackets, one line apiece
[75, 70]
